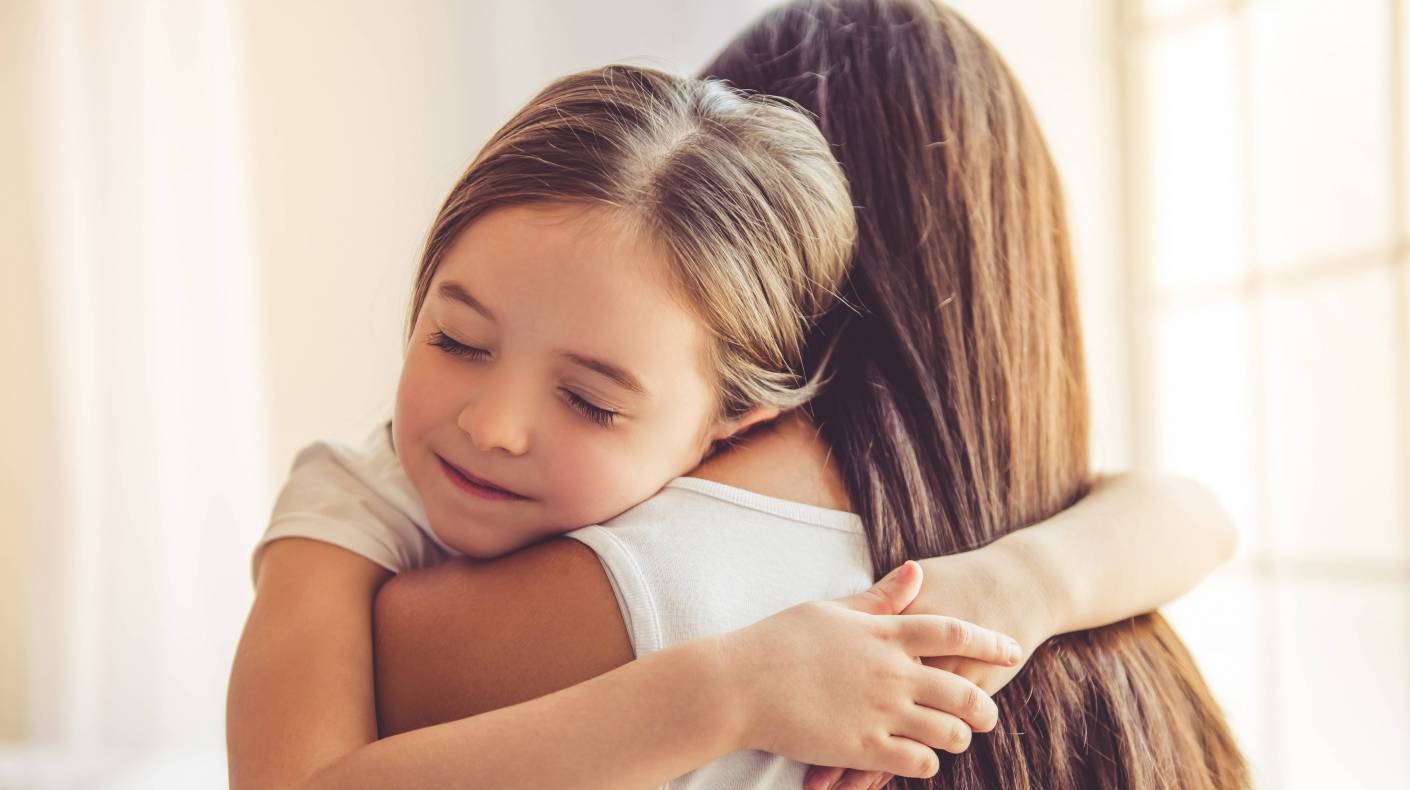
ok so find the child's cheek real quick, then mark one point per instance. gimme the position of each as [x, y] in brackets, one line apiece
[593, 479]
[428, 390]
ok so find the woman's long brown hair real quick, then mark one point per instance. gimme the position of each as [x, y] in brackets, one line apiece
[958, 401]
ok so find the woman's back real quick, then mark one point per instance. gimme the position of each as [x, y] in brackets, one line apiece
[957, 408]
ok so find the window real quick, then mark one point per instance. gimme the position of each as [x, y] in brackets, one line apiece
[1269, 237]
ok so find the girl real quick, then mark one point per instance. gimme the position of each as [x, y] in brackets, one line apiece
[622, 278]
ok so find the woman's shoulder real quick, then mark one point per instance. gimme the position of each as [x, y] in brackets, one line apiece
[786, 459]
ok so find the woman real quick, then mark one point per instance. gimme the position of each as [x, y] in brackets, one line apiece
[966, 205]
[956, 415]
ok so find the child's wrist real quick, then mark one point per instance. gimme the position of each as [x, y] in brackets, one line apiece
[1030, 582]
[993, 586]
[720, 676]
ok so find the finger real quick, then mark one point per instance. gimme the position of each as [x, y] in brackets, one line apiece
[936, 729]
[821, 777]
[932, 635]
[986, 676]
[955, 664]
[881, 781]
[889, 595]
[957, 696]
[904, 757]
[857, 780]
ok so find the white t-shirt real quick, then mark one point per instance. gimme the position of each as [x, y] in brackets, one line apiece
[696, 559]
[357, 497]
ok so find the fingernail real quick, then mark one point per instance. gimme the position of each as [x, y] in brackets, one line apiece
[1015, 652]
[898, 574]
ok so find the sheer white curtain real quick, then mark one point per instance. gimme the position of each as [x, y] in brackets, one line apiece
[1270, 274]
[156, 457]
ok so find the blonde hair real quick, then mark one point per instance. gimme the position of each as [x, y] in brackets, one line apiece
[740, 190]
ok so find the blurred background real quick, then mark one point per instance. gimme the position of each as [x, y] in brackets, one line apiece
[211, 213]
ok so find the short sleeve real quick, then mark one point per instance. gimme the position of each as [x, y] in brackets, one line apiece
[342, 496]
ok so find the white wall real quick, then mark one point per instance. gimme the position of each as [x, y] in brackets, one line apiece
[363, 114]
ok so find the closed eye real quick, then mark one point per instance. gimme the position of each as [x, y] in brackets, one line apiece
[597, 414]
[444, 342]
[591, 411]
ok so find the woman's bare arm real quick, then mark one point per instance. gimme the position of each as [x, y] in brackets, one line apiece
[455, 639]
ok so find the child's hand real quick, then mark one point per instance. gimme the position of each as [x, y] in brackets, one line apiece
[838, 683]
[984, 586]
[974, 586]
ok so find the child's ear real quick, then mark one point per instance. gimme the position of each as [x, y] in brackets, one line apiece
[727, 428]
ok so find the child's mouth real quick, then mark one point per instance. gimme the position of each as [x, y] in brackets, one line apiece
[476, 487]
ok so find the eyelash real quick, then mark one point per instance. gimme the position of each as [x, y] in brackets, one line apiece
[597, 414]
[443, 341]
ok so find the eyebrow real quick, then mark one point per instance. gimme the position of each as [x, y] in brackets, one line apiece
[622, 377]
[457, 293]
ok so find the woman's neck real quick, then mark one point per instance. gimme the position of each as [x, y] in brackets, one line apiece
[784, 458]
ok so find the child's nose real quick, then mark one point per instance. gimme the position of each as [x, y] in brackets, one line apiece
[496, 419]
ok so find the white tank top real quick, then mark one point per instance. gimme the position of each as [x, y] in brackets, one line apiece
[698, 558]
[702, 558]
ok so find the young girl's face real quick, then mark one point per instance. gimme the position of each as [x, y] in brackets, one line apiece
[552, 380]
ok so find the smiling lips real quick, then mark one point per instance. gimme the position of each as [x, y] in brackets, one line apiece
[476, 487]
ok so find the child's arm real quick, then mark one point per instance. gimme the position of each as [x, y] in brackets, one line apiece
[300, 712]
[1135, 542]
